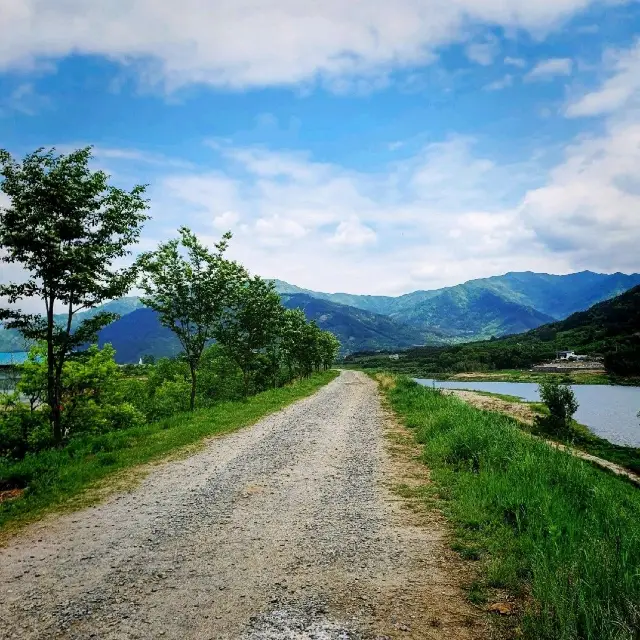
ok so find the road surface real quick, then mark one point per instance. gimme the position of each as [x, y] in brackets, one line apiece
[285, 530]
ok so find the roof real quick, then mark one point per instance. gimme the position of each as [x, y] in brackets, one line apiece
[13, 357]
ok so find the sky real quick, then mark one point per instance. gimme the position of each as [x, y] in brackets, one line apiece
[364, 146]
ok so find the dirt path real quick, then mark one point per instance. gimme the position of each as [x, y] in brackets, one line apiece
[287, 529]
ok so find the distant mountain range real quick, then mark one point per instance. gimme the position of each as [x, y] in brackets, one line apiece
[610, 329]
[476, 310]
[496, 306]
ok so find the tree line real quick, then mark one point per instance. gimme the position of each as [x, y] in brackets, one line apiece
[69, 232]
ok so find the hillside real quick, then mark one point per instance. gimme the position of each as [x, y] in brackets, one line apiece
[356, 327]
[137, 334]
[496, 306]
[140, 333]
[610, 329]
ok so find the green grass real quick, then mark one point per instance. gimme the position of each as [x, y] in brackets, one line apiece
[554, 531]
[582, 437]
[59, 479]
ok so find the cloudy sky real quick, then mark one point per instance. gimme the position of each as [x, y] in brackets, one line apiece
[350, 145]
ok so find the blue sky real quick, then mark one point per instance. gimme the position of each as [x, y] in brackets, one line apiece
[360, 146]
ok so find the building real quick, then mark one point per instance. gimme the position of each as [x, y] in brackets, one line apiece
[565, 355]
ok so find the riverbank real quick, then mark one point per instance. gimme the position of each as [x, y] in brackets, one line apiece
[413, 370]
[559, 539]
[598, 450]
[91, 467]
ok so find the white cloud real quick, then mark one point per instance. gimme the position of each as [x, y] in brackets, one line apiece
[24, 99]
[617, 91]
[353, 233]
[548, 69]
[589, 208]
[244, 43]
[503, 83]
[440, 217]
[483, 53]
[226, 221]
[515, 62]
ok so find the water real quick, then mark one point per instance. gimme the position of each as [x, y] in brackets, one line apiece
[610, 411]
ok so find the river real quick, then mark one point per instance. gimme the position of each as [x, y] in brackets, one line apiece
[610, 411]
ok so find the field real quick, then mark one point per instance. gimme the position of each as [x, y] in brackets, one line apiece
[557, 538]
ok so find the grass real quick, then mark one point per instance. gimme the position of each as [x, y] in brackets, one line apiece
[560, 535]
[518, 375]
[582, 437]
[92, 466]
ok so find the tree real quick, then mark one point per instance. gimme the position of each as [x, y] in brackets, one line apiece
[252, 325]
[192, 289]
[66, 227]
[561, 403]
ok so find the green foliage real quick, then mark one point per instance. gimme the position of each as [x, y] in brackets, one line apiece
[546, 526]
[192, 290]
[91, 400]
[66, 227]
[561, 403]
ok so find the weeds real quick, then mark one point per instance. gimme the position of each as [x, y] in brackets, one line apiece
[545, 526]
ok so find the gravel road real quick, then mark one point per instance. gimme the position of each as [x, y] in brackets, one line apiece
[284, 530]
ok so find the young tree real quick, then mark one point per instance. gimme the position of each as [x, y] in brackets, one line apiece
[191, 288]
[562, 404]
[252, 325]
[66, 227]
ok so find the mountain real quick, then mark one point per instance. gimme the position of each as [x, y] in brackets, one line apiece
[137, 334]
[140, 333]
[358, 329]
[610, 329]
[496, 306]
[475, 310]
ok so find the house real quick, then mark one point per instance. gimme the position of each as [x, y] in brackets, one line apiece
[394, 356]
[565, 355]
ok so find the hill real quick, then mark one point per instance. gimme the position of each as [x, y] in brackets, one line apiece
[140, 333]
[610, 329]
[356, 327]
[496, 306]
[137, 334]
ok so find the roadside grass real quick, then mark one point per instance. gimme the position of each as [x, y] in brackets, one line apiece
[62, 479]
[558, 534]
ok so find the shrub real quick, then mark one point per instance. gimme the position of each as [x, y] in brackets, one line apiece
[561, 403]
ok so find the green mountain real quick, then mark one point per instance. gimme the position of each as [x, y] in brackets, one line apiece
[140, 333]
[358, 329]
[610, 329]
[496, 306]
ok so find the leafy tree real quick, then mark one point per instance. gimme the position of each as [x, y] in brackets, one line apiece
[66, 227]
[561, 403]
[191, 288]
[252, 326]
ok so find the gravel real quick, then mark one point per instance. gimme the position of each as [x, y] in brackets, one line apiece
[284, 530]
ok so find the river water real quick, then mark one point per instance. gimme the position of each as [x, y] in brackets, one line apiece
[610, 411]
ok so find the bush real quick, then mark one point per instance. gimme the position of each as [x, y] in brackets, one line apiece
[561, 403]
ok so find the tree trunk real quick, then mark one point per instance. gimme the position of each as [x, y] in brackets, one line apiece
[192, 401]
[52, 388]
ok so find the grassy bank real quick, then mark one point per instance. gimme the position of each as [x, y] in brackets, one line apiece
[581, 436]
[59, 478]
[407, 367]
[560, 535]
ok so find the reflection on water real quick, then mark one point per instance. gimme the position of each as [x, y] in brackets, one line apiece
[609, 411]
